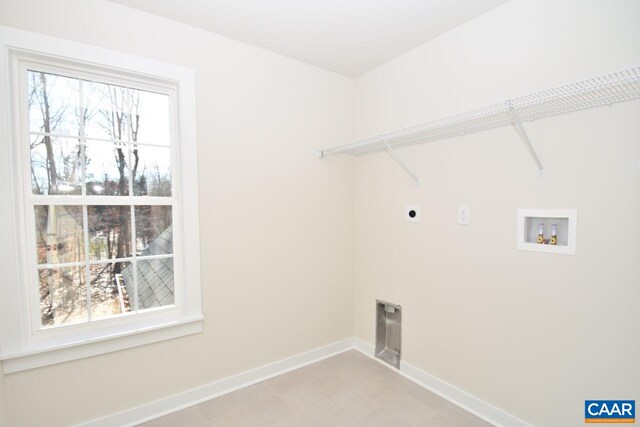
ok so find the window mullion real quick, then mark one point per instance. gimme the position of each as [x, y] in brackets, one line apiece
[85, 214]
[150, 257]
[134, 262]
[60, 265]
[83, 154]
[46, 200]
[129, 159]
[87, 267]
[89, 138]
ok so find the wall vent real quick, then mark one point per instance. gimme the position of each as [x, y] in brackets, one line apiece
[388, 332]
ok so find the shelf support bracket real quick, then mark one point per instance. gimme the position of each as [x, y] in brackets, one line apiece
[525, 138]
[395, 157]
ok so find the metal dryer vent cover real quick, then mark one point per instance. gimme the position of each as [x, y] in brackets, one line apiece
[388, 332]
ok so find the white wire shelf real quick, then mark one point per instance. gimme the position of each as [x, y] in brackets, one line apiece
[598, 91]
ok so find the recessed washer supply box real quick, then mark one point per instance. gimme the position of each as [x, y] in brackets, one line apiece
[566, 221]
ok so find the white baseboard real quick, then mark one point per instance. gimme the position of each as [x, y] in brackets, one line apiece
[453, 394]
[177, 402]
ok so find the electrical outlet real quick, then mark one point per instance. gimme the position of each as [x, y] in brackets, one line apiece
[412, 213]
[463, 214]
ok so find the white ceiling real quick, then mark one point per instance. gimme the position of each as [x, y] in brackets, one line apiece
[350, 37]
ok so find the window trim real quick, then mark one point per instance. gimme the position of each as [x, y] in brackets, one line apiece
[26, 346]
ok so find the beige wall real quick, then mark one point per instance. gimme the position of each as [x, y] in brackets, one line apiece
[535, 334]
[276, 223]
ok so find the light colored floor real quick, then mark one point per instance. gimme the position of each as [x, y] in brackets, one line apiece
[349, 389]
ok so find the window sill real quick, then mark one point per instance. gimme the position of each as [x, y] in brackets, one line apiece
[52, 351]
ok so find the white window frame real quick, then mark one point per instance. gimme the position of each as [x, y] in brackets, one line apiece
[24, 344]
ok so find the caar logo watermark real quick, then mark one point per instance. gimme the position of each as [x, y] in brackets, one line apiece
[610, 411]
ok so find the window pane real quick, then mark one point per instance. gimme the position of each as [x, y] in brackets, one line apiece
[113, 111]
[153, 123]
[109, 232]
[59, 234]
[154, 233]
[53, 104]
[55, 165]
[63, 295]
[155, 283]
[152, 176]
[109, 289]
[107, 168]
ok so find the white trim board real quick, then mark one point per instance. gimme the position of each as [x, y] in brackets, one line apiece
[453, 394]
[177, 402]
[156, 409]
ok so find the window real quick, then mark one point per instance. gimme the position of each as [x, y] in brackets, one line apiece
[99, 258]
[98, 156]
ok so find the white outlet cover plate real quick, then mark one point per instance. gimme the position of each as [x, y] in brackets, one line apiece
[463, 214]
[407, 213]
